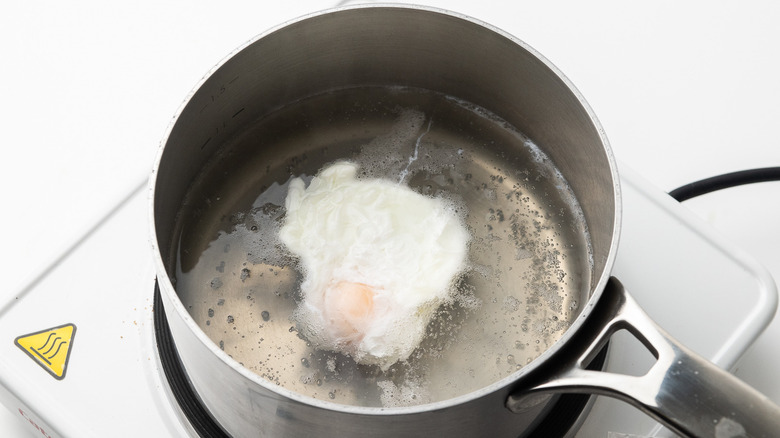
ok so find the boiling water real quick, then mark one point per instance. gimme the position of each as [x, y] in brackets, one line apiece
[529, 260]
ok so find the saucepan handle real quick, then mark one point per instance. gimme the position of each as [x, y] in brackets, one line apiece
[682, 390]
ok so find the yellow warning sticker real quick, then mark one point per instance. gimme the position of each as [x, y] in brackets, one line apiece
[50, 348]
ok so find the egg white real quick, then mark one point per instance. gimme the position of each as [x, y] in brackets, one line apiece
[378, 259]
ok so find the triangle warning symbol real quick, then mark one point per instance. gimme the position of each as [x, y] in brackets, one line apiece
[50, 348]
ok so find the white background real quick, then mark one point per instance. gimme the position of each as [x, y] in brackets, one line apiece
[684, 90]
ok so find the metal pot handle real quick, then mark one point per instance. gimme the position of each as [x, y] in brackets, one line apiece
[682, 390]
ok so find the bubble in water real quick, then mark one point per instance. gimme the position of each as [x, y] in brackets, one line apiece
[409, 392]
[230, 319]
[511, 304]
[522, 254]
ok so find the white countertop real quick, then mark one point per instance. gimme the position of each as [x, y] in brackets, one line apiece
[684, 91]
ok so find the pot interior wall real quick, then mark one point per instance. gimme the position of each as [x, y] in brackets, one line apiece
[391, 47]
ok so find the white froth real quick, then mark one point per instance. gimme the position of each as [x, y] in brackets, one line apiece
[378, 260]
[407, 394]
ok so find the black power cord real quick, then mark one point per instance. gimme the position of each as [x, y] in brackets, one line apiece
[725, 181]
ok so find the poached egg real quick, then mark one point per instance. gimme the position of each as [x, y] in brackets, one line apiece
[377, 259]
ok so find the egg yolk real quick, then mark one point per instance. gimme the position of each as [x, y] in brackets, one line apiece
[349, 307]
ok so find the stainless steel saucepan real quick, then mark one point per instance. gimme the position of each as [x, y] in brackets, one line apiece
[494, 128]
